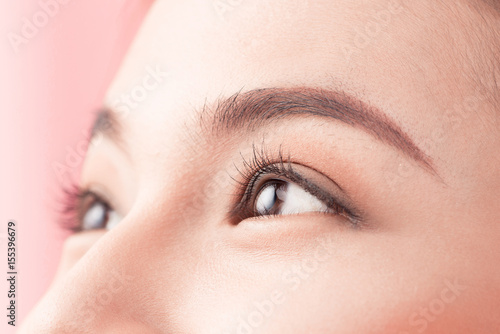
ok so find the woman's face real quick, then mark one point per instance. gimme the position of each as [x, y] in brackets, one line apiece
[292, 167]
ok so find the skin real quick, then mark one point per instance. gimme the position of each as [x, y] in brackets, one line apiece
[425, 258]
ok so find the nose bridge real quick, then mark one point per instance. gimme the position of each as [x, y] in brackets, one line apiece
[102, 295]
[114, 283]
[147, 258]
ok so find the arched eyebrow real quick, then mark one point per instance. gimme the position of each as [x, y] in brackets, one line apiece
[253, 109]
[106, 123]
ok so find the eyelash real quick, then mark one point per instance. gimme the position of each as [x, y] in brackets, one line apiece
[261, 163]
[72, 211]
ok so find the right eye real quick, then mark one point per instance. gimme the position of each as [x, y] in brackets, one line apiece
[95, 213]
[279, 197]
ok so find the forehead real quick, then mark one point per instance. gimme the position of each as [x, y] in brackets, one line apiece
[406, 57]
[263, 39]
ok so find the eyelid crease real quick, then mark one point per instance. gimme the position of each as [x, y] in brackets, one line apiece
[325, 197]
[262, 163]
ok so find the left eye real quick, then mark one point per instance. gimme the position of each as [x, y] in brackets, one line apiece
[278, 197]
[97, 214]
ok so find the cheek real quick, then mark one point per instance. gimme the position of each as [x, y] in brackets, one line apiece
[287, 276]
[268, 290]
[347, 286]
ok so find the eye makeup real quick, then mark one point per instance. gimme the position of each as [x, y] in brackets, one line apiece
[84, 209]
[265, 169]
[268, 185]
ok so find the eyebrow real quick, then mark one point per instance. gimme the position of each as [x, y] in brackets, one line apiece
[107, 124]
[256, 108]
[252, 109]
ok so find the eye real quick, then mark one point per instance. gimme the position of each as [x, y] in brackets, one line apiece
[278, 197]
[95, 213]
[270, 188]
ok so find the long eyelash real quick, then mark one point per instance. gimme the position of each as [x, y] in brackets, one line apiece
[69, 214]
[71, 211]
[261, 163]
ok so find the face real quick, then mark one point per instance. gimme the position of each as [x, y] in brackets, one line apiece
[291, 167]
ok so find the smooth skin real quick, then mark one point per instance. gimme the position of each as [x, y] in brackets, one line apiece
[425, 259]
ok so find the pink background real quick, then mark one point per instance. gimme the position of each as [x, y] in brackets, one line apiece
[49, 90]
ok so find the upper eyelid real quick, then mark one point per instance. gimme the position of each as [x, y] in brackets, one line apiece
[72, 214]
[104, 195]
[316, 190]
[325, 196]
[263, 162]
